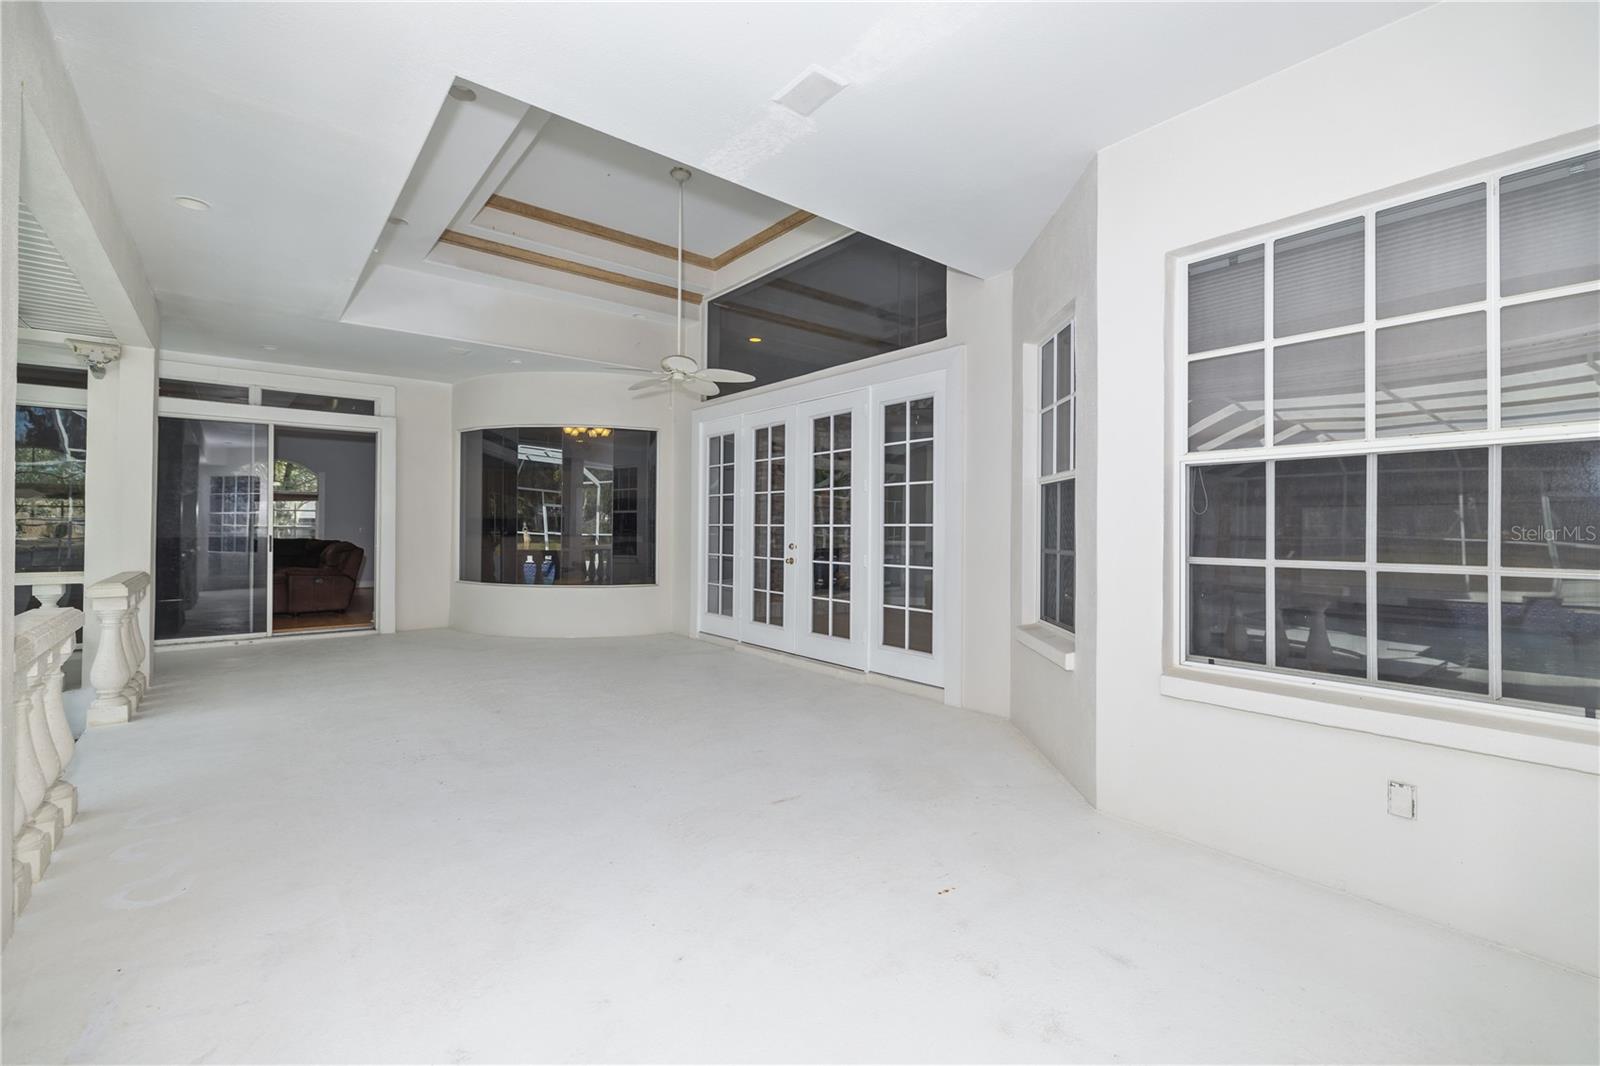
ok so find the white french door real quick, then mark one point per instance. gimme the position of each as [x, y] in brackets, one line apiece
[769, 588]
[833, 529]
[828, 526]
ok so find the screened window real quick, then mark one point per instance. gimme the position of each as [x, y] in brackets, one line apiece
[1058, 385]
[1395, 479]
[210, 391]
[315, 401]
[51, 461]
[856, 298]
[558, 505]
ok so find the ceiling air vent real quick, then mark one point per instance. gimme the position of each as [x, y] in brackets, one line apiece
[809, 91]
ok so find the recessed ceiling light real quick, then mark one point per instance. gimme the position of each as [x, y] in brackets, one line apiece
[755, 340]
[269, 347]
[396, 220]
[462, 93]
[516, 362]
[192, 203]
[457, 350]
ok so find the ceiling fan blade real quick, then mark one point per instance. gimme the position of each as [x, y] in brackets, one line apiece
[679, 364]
[653, 381]
[701, 386]
[714, 374]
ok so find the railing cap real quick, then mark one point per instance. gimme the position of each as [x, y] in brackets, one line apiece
[127, 583]
[41, 632]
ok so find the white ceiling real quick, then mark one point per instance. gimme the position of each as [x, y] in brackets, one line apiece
[961, 130]
[580, 172]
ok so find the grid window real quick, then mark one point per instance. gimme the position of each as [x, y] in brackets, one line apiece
[767, 551]
[831, 491]
[908, 525]
[1424, 512]
[234, 500]
[719, 525]
[1058, 386]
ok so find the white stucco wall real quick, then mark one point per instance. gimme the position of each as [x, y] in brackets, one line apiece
[46, 154]
[1056, 707]
[1501, 848]
[424, 505]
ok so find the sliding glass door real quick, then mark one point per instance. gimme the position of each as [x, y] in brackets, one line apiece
[263, 529]
[212, 498]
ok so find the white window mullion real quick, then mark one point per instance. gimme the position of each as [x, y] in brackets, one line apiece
[1372, 567]
[1496, 622]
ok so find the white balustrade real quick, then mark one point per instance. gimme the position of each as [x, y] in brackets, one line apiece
[44, 802]
[117, 674]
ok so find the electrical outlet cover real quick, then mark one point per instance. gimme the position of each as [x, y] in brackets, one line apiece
[1402, 800]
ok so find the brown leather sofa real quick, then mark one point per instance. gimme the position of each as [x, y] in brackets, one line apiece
[314, 575]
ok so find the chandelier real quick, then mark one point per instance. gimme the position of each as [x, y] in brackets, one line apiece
[586, 432]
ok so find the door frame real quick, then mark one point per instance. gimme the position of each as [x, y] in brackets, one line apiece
[939, 372]
[381, 426]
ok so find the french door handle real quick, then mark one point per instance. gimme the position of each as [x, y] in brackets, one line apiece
[790, 560]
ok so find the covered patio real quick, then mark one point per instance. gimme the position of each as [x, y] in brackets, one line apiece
[443, 847]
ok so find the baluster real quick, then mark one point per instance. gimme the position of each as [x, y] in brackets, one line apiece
[110, 672]
[33, 842]
[48, 815]
[21, 886]
[51, 726]
[133, 689]
[55, 703]
[45, 802]
[136, 646]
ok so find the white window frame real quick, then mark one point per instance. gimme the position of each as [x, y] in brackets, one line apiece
[51, 396]
[1368, 705]
[1055, 642]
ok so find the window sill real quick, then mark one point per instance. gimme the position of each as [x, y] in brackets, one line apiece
[1546, 739]
[1054, 643]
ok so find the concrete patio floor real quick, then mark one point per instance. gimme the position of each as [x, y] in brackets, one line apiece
[448, 848]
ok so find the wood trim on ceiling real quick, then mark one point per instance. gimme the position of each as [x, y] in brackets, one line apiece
[535, 213]
[565, 266]
[595, 229]
[766, 236]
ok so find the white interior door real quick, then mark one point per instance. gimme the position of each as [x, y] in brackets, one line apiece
[827, 497]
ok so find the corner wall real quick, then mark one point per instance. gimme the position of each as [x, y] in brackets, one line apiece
[1502, 849]
[1055, 708]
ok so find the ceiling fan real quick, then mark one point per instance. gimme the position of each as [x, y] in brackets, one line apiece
[679, 369]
